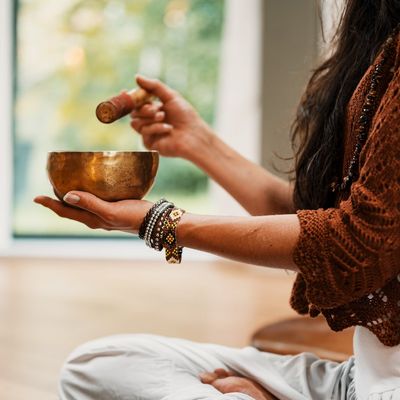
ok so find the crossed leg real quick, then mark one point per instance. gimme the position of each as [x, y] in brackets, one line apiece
[147, 367]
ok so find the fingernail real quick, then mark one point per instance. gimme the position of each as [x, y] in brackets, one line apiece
[71, 198]
[167, 126]
[160, 115]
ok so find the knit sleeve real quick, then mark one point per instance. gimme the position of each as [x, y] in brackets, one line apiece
[347, 252]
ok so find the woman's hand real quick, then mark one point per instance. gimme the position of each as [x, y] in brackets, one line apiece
[172, 127]
[228, 382]
[175, 129]
[126, 215]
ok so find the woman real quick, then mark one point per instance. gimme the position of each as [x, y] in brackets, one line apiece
[344, 239]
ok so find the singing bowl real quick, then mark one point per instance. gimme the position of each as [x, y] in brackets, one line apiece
[110, 175]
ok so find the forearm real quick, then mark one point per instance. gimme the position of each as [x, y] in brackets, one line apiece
[265, 240]
[256, 189]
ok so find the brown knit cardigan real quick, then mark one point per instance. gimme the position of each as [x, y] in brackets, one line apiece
[349, 256]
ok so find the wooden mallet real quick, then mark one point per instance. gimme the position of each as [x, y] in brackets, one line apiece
[118, 106]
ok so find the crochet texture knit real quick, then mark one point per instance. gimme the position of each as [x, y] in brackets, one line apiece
[349, 256]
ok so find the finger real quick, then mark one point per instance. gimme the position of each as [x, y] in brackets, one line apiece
[156, 129]
[91, 203]
[222, 373]
[149, 141]
[161, 143]
[154, 86]
[233, 384]
[63, 211]
[224, 386]
[208, 377]
[138, 123]
[147, 111]
[157, 117]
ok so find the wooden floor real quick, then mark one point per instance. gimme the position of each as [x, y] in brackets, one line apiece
[47, 307]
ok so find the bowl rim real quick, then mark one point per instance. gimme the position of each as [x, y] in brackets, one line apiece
[104, 152]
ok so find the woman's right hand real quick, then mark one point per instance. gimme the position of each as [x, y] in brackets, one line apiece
[172, 127]
[175, 129]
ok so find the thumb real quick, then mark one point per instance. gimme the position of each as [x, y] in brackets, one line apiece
[154, 86]
[88, 202]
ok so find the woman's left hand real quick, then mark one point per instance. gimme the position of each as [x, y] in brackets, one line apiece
[228, 382]
[125, 215]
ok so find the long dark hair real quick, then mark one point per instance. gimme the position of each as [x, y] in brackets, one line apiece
[317, 132]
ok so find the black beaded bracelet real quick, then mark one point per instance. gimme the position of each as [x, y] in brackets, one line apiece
[156, 239]
[146, 219]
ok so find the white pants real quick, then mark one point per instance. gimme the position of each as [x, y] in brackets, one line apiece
[147, 367]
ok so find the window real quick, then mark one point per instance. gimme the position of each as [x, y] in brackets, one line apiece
[72, 54]
[65, 56]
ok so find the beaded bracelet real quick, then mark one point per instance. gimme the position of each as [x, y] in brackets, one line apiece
[146, 219]
[153, 220]
[173, 252]
[156, 239]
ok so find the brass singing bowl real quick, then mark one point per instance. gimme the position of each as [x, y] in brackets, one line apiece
[110, 175]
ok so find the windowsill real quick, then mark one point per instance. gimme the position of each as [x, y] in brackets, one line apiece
[110, 249]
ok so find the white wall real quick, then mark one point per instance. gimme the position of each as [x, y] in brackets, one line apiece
[331, 11]
[240, 104]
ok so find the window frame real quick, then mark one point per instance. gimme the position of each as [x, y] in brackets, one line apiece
[6, 106]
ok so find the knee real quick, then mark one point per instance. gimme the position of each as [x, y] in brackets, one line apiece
[104, 368]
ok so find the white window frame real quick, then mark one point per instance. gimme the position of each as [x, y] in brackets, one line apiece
[112, 248]
[6, 148]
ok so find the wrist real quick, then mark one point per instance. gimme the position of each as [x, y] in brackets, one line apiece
[198, 145]
[183, 229]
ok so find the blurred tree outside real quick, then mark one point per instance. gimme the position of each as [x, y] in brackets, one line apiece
[71, 54]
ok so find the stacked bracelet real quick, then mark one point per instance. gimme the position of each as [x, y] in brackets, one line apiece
[143, 226]
[158, 230]
[157, 213]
